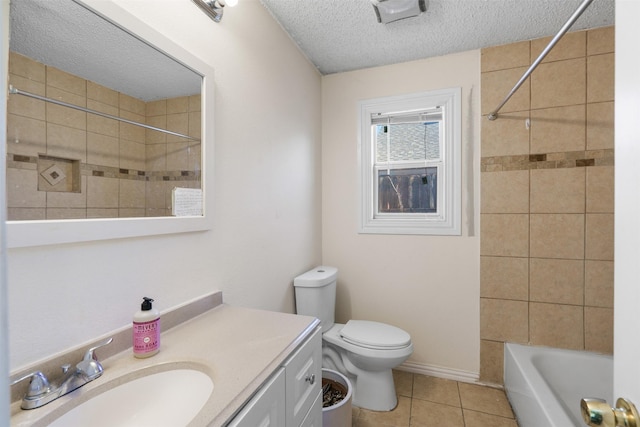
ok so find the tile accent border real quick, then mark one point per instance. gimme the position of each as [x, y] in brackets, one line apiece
[16, 161]
[569, 159]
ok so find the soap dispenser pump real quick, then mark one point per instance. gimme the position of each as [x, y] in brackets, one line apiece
[146, 330]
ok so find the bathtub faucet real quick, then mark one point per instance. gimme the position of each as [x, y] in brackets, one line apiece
[40, 392]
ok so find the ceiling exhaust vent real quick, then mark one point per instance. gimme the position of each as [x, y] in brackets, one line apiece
[394, 10]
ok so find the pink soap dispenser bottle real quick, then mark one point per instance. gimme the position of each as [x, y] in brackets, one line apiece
[146, 330]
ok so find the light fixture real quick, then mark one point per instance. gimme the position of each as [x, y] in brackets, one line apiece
[215, 8]
[393, 10]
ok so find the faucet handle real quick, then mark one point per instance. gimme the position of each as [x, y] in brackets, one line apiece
[89, 365]
[90, 354]
[38, 386]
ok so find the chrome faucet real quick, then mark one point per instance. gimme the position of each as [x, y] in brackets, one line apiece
[41, 392]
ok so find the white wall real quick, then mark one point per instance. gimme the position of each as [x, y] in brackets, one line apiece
[427, 285]
[266, 184]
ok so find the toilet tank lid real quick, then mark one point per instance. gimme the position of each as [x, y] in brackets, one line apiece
[375, 334]
[317, 277]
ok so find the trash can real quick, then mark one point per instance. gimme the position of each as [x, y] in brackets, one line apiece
[336, 399]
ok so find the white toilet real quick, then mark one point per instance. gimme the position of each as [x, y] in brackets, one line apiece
[363, 351]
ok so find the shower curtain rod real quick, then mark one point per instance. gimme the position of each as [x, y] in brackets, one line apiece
[16, 91]
[494, 114]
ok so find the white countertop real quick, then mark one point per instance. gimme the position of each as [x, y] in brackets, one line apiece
[238, 347]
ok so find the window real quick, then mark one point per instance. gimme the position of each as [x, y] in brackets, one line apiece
[410, 164]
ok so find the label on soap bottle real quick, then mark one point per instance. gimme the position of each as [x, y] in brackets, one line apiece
[146, 337]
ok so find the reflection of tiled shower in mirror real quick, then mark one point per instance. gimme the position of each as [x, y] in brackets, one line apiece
[65, 163]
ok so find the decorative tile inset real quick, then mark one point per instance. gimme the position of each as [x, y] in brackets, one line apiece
[53, 175]
[559, 160]
[58, 175]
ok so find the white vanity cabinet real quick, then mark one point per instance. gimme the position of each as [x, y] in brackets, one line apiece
[303, 370]
[265, 409]
[292, 395]
[314, 416]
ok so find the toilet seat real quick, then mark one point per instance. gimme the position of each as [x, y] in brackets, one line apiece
[374, 335]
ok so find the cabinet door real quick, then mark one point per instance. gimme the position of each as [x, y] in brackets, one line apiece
[304, 379]
[314, 416]
[265, 409]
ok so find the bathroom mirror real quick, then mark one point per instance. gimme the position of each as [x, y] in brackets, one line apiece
[106, 132]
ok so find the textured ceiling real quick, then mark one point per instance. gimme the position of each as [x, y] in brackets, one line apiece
[343, 35]
[336, 35]
[66, 35]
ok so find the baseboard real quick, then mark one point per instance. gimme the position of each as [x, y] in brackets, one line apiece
[440, 372]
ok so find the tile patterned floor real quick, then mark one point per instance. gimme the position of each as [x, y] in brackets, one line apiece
[435, 402]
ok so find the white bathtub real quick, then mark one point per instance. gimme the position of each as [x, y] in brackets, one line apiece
[545, 385]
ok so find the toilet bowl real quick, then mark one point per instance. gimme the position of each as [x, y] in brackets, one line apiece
[364, 351]
[367, 365]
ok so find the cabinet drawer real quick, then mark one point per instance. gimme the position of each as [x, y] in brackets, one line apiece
[265, 409]
[303, 379]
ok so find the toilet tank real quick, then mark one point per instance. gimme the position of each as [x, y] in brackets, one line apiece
[316, 294]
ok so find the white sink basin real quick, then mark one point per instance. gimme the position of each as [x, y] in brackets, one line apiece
[169, 398]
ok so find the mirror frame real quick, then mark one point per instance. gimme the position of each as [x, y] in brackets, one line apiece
[49, 232]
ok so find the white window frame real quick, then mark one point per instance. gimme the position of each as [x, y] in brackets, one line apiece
[447, 219]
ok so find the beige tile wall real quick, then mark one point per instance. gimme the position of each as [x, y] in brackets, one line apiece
[126, 170]
[547, 198]
[165, 152]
